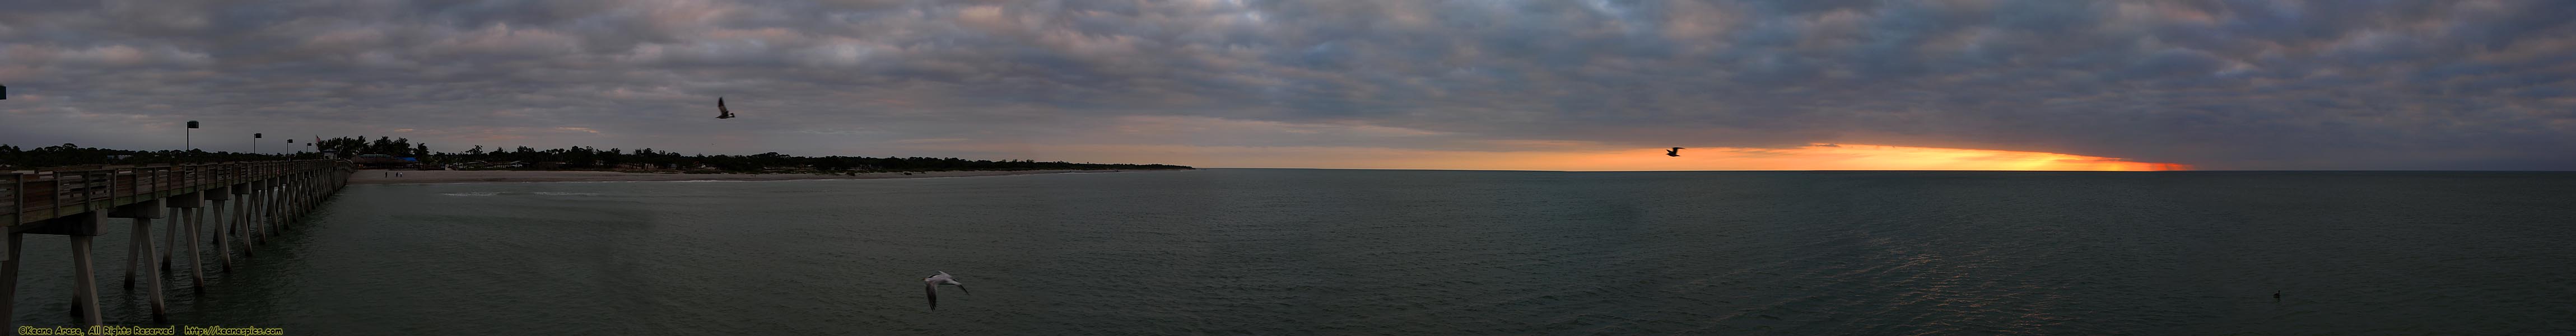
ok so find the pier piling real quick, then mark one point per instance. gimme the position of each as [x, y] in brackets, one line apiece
[196, 267]
[9, 277]
[223, 242]
[142, 213]
[87, 280]
[134, 251]
[178, 213]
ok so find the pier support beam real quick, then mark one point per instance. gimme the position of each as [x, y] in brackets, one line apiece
[223, 232]
[151, 275]
[308, 196]
[281, 203]
[196, 225]
[258, 203]
[140, 244]
[183, 206]
[9, 280]
[87, 280]
[171, 237]
[290, 201]
[223, 250]
[317, 187]
[294, 202]
[142, 213]
[293, 196]
[257, 233]
[81, 227]
[305, 197]
[268, 210]
[196, 267]
[287, 205]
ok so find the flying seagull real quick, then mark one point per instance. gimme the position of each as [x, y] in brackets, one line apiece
[1676, 151]
[931, 284]
[721, 112]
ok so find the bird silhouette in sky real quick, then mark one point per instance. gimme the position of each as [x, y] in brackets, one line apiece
[721, 112]
[1676, 151]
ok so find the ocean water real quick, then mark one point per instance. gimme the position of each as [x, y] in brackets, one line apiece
[1261, 251]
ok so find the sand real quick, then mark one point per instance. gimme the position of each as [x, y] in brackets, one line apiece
[483, 176]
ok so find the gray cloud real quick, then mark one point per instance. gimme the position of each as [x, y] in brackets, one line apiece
[2219, 84]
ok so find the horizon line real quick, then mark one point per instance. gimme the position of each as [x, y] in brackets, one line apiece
[1925, 170]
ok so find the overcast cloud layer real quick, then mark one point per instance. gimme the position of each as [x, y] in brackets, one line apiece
[2216, 84]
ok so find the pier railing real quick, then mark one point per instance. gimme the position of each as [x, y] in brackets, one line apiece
[33, 197]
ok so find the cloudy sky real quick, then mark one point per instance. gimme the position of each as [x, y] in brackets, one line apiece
[1487, 84]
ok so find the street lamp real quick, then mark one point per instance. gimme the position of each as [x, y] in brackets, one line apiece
[188, 138]
[254, 144]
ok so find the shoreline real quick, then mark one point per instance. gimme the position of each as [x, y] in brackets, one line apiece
[379, 176]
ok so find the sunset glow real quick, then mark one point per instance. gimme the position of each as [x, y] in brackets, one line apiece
[1812, 157]
[1856, 157]
[1579, 156]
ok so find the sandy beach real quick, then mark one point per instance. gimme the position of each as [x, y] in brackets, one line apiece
[483, 176]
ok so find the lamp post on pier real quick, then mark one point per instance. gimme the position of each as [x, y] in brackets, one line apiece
[188, 138]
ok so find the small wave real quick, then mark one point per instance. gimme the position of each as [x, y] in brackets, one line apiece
[471, 194]
[550, 193]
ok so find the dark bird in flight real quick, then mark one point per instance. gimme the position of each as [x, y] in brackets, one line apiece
[721, 112]
[931, 284]
[1676, 151]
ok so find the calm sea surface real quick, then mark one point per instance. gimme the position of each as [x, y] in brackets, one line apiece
[1256, 251]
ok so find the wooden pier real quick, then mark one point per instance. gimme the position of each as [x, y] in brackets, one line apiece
[263, 197]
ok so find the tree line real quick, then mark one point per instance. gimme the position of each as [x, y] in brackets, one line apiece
[575, 158]
[15, 158]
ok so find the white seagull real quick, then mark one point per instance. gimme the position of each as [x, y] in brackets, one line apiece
[931, 284]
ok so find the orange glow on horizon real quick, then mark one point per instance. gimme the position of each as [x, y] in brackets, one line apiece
[1187, 140]
[1856, 157]
[1583, 156]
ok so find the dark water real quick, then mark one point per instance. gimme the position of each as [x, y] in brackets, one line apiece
[1411, 252]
